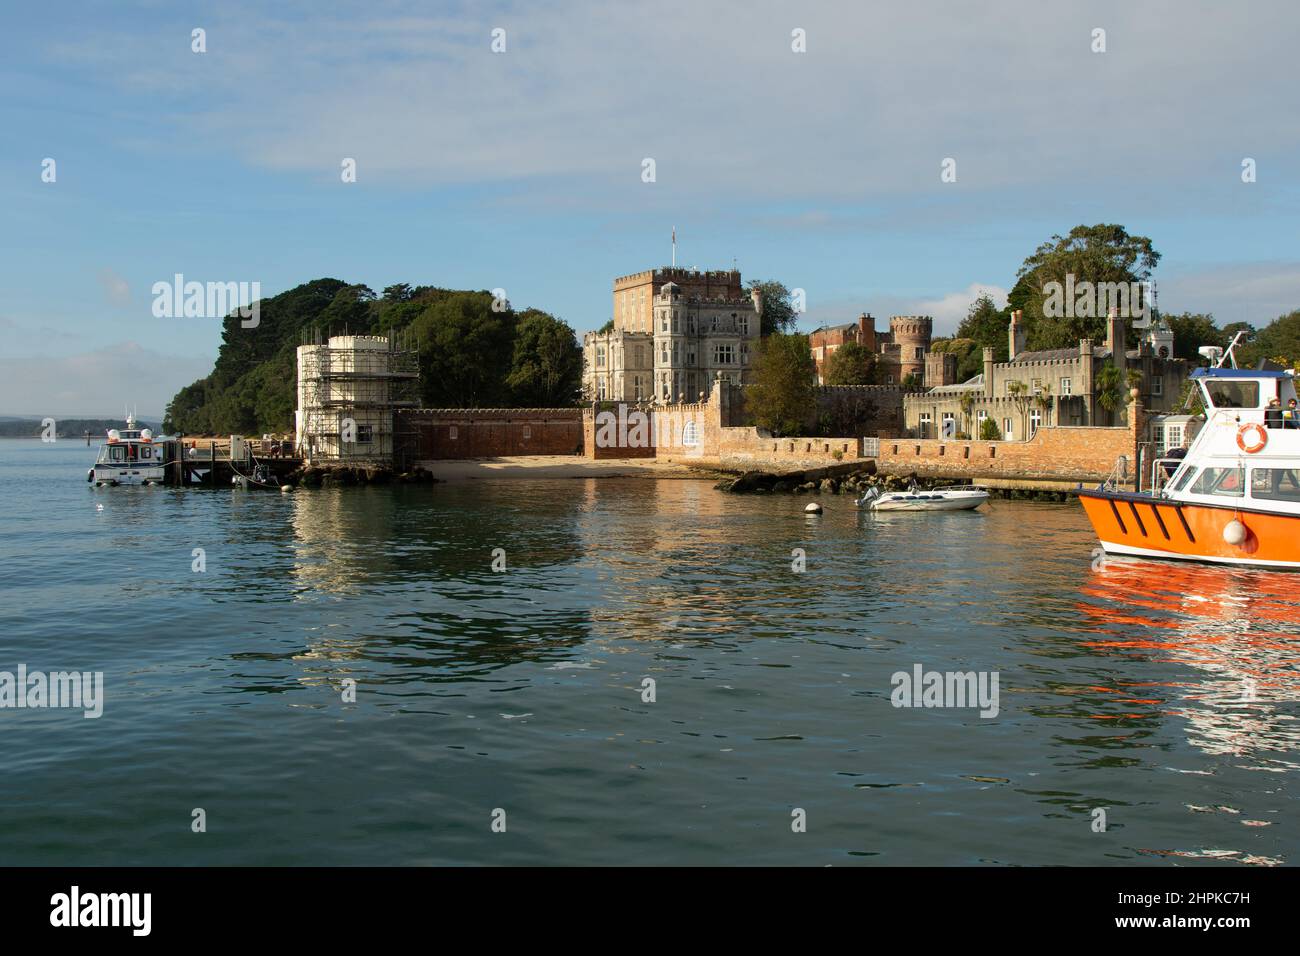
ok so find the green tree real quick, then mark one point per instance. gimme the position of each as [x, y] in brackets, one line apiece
[1279, 341]
[783, 394]
[989, 430]
[850, 364]
[466, 349]
[779, 315]
[546, 369]
[1101, 253]
[1191, 331]
[1108, 386]
[985, 326]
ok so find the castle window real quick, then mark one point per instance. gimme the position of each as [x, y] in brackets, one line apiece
[691, 434]
[1007, 433]
[744, 354]
[1065, 386]
[600, 356]
[1035, 420]
[744, 325]
[663, 321]
[452, 432]
[1157, 386]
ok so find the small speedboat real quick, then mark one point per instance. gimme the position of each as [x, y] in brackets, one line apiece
[949, 498]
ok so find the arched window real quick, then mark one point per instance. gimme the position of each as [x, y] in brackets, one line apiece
[690, 435]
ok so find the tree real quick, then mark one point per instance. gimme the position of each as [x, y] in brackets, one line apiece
[1109, 389]
[465, 351]
[1103, 253]
[1191, 331]
[989, 430]
[986, 326]
[779, 315]
[546, 368]
[969, 353]
[850, 364]
[1021, 398]
[967, 404]
[1278, 341]
[607, 327]
[783, 394]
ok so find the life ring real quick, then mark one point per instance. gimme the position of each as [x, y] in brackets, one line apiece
[1260, 433]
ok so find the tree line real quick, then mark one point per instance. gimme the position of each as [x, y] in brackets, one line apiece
[474, 351]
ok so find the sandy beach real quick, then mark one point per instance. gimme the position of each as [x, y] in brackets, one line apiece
[561, 466]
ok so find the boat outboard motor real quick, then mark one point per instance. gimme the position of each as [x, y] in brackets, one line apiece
[870, 495]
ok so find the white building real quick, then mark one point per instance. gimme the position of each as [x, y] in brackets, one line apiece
[693, 338]
[348, 389]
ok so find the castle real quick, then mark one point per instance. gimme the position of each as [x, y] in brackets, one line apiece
[675, 331]
[1052, 387]
[901, 354]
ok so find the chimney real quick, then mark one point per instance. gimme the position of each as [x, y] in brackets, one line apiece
[1116, 341]
[1016, 334]
[988, 373]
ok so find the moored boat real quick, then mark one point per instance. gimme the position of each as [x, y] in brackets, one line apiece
[948, 498]
[129, 456]
[1234, 498]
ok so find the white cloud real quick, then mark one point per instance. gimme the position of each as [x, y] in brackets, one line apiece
[1254, 292]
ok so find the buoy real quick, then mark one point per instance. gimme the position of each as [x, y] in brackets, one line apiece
[1234, 532]
[286, 487]
[813, 509]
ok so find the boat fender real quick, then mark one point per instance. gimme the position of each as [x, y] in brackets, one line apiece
[813, 508]
[1260, 438]
[1234, 532]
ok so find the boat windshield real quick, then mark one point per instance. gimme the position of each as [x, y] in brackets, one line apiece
[1230, 394]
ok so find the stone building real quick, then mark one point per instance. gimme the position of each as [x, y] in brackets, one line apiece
[901, 352]
[671, 345]
[349, 388]
[1052, 387]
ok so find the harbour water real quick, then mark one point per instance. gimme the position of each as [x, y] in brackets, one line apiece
[1164, 695]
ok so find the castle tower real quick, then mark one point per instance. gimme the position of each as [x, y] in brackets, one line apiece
[940, 369]
[911, 333]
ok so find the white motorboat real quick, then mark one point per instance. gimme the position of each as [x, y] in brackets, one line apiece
[948, 498]
[130, 456]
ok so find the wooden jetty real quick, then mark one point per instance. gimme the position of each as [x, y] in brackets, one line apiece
[203, 462]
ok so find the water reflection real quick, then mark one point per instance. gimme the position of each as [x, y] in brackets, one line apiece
[1233, 628]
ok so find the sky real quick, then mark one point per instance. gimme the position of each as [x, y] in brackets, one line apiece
[525, 169]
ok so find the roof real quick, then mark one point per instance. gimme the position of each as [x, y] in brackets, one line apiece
[1050, 355]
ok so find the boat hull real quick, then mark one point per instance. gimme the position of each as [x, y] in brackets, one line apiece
[1150, 527]
[964, 503]
[101, 475]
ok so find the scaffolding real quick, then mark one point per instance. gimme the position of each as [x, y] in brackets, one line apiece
[349, 389]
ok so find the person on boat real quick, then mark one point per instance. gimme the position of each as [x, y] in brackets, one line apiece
[1273, 414]
[1291, 415]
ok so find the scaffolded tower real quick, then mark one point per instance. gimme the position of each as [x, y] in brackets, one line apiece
[348, 390]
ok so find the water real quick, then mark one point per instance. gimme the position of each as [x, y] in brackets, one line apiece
[1126, 689]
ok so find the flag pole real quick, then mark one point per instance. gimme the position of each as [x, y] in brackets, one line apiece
[674, 247]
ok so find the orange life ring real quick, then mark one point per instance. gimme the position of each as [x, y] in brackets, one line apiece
[1260, 433]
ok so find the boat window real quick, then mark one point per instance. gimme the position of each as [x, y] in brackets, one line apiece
[1183, 480]
[1233, 394]
[117, 453]
[1230, 482]
[1276, 484]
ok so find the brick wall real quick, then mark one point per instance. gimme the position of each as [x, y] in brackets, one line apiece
[1054, 455]
[433, 433]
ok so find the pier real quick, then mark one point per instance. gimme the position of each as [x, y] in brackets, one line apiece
[208, 462]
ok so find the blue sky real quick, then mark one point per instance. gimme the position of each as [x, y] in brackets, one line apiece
[522, 169]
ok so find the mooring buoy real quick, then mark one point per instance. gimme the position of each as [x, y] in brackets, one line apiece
[813, 509]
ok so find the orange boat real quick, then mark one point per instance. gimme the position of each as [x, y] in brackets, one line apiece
[1234, 498]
